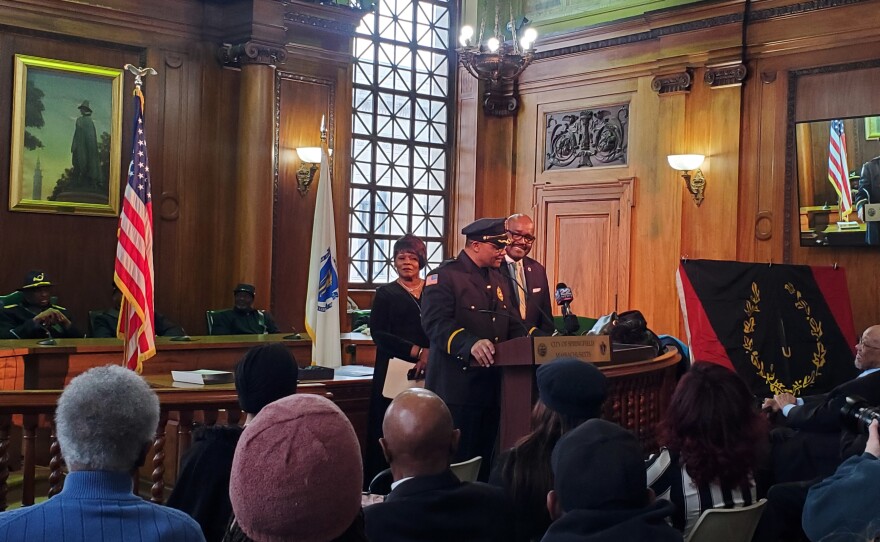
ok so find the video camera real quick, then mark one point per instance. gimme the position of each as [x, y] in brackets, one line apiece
[857, 414]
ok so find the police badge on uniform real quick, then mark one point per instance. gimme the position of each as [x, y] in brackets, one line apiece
[499, 294]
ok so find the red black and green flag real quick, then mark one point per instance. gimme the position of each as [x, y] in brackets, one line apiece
[781, 327]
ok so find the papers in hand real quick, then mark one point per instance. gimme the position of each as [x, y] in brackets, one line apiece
[396, 380]
[203, 376]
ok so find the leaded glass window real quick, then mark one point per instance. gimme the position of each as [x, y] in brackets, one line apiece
[400, 134]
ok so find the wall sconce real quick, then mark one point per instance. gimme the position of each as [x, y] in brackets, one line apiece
[309, 158]
[686, 163]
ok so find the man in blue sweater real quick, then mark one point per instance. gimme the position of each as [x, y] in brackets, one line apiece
[105, 422]
[844, 505]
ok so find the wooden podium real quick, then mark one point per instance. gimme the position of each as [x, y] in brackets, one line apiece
[518, 358]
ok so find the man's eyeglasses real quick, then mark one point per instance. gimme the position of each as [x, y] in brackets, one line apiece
[863, 344]
[521, 237]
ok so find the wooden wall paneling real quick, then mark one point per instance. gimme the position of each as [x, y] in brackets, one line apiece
[494, 186]
[462, 208]
[656, 124]
[301, 102]
[76, 251]
[712, 129]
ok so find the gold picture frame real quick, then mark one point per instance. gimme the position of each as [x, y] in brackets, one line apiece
[66, 137]
[872, 127]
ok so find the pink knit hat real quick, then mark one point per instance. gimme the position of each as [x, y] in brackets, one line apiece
[297, 472]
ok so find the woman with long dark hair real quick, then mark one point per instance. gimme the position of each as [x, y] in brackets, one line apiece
[570, 392]
[396, 328]
[712, 436]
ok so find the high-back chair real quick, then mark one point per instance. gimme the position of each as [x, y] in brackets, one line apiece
[727, 524]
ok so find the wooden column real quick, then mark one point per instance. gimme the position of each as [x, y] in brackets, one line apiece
[255, 176]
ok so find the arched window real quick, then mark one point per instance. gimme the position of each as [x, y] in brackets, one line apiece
[403, 74]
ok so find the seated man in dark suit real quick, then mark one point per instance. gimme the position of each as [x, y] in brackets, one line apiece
[427, 501]
[243, 319]
[36, 317]
[813, 441]
[812, 424]
[104, 324]
[600, 490]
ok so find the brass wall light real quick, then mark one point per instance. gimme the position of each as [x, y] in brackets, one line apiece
[309, 158]
[686, 163]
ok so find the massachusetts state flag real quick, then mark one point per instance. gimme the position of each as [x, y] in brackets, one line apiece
[322, 297]
[134, 252]
[783, 328]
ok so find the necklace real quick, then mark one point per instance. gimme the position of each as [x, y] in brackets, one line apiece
[412, 291]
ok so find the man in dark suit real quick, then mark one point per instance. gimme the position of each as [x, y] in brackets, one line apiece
[869, 192]
[813, 431]
[528, 278]
[36, 317]
[465, 311]
[813, 441]
[427, 502]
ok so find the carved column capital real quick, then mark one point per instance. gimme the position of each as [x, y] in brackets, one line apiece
[251, 52]
[730, 75]
[673, 83]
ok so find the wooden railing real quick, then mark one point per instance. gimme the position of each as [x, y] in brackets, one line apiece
[32, 411]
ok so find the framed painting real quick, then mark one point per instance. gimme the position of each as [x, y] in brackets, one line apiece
[872, 128]
[66, 137]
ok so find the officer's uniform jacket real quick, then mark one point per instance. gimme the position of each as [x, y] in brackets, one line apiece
[235, 322]
[453, 297]
[17, 322]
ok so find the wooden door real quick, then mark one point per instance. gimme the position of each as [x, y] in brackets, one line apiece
[586, 243]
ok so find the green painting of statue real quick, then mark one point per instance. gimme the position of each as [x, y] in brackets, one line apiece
[66, 137]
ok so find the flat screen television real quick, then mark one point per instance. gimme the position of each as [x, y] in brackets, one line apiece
[838, 173]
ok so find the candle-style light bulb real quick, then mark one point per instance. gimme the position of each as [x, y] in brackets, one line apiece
[322, 124]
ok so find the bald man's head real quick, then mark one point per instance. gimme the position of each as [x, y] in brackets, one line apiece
[868, 349]
[419, 435]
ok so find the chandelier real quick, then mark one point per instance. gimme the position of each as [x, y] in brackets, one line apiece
[498, 62]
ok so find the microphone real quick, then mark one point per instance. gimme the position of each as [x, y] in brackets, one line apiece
[564, 298]
[544, 314]
[50, 340]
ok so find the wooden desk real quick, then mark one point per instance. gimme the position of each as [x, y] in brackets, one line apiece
[358, 349]
[28, 365]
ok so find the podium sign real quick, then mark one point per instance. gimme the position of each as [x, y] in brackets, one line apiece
[592, 348]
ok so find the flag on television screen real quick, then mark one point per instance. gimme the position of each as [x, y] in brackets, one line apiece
[322, 296]
[838, 168]
[133, 273]
[783, 328]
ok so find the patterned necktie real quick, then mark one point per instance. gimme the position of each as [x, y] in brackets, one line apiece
[520, 288]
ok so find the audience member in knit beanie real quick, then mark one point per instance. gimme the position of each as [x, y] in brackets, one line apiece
[572, 387]
[570, 391]
[600, 489]
[297, 473]
[265, 374]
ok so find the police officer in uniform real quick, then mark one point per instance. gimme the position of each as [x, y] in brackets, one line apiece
[36, 317]
[243, 319]
[466, 310]
[106, 321]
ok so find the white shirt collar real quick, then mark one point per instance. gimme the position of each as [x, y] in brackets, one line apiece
[397, 483]
[869, 371]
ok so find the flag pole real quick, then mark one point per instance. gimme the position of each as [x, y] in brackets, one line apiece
[124, 325]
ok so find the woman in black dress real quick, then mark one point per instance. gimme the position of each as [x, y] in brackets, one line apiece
[396, 327]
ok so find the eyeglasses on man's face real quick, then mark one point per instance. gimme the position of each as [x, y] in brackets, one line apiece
[521, 236]
[863, 344]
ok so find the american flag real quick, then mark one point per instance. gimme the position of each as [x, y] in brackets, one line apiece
[134, 252]
[838, 170]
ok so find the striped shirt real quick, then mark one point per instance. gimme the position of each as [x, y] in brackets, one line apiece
[671, 481]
